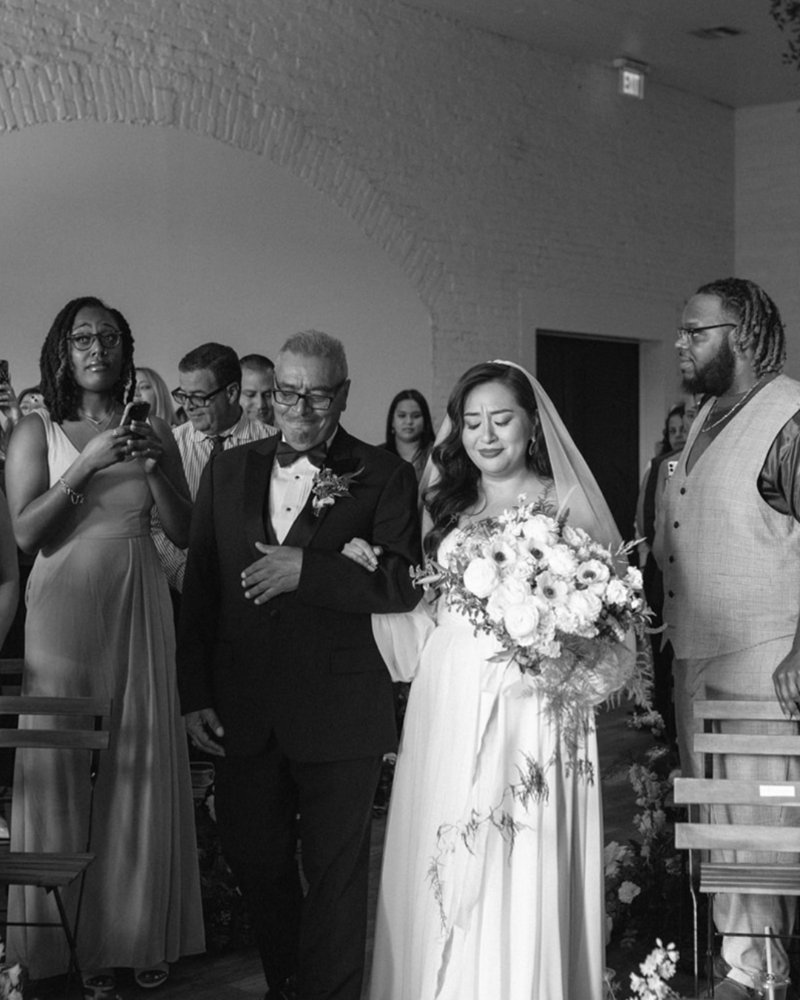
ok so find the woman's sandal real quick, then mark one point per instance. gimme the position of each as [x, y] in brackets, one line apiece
[152, 976]
[98, 984]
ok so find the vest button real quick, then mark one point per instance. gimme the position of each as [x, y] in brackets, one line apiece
[677, 524]
[671, 593]
[274, 613]
[683, 490]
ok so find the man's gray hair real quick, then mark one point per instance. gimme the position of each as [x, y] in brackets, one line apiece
[315, 344]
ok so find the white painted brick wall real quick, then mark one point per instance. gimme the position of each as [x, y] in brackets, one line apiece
[768, 210]
[487, 170]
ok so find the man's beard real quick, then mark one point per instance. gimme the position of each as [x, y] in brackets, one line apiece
[716, 376]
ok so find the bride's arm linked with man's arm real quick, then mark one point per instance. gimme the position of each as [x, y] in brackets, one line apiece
[399, 637]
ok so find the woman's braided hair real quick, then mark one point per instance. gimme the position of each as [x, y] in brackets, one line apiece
[62, 394]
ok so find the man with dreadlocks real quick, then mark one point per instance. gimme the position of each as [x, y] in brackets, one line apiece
[728, 542]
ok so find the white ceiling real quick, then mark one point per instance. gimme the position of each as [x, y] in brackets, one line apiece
[736, 71]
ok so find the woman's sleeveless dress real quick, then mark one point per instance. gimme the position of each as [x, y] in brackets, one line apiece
[464, 916]
[99, 623]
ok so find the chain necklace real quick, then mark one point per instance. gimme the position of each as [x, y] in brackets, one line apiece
[102, 423]
[729, 413]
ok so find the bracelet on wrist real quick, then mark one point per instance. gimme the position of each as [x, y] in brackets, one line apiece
[74, 495]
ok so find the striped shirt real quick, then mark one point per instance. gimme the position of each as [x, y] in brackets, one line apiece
[195, 449]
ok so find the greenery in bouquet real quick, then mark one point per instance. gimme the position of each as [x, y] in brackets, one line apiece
[644, 878]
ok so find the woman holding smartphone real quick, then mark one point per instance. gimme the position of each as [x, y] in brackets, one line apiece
[82, 480]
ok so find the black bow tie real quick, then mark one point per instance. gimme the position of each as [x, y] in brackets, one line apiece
[287, 455]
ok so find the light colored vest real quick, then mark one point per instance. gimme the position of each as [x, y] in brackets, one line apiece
[731, 562]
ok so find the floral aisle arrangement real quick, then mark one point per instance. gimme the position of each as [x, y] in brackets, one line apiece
[225, 914]
[557, 604]
[656, 969]
[12, 978]
[645, 883]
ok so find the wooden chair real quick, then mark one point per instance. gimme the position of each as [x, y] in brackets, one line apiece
[53, 871]
[10, 683]
[700, 835]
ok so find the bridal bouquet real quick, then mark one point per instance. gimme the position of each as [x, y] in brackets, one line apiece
[553, 598]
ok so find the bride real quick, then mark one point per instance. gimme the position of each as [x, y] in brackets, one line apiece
[467, 910]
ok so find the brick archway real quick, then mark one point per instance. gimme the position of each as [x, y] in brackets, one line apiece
[34, 92]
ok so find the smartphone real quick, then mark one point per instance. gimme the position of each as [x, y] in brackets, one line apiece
[4, 377]
[137, 410]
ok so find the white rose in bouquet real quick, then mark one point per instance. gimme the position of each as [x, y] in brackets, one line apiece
[585, 605]
[481, 577]
[633, 578]
[511, 591]
[539, 531]
[520, 621]
[561, 560]
[616, 592]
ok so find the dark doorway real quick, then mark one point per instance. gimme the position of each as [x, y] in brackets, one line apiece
[594, 383]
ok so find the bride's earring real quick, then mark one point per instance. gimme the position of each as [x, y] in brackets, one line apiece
[531, 447]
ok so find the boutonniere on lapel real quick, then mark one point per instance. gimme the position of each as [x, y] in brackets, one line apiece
[327, 487]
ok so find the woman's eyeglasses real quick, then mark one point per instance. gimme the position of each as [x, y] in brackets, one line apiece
[105, 338]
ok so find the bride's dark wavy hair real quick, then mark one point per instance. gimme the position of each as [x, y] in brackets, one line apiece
[62, 394]
[457, 488]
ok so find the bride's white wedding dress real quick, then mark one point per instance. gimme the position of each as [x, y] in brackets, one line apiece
[462, 913]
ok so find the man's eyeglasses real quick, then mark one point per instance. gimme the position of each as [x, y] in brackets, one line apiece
[106, 338]
[690, 332]
[198, 400]
[316, 400]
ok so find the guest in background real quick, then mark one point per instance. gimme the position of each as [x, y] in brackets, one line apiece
[81, 487]
[210, 379]
[151, 388]
[409, 429]
[676, 427]
[258, 375]
[31, 399]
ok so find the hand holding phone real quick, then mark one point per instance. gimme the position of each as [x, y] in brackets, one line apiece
[137, 410]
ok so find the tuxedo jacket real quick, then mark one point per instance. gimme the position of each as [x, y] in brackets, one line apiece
[304, 665]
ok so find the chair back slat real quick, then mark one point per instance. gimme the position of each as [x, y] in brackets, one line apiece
[55, 871]
[760, 710]
[35, 705]
[700, 791]
[55, 739]
[752, 879]
[736, 836]
[736, 743]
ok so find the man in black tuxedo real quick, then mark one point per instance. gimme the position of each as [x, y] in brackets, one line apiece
[279, 673]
